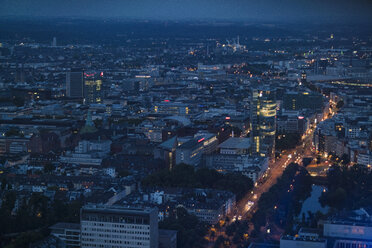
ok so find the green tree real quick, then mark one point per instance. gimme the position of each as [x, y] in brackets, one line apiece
[49, 168]
[340, 104]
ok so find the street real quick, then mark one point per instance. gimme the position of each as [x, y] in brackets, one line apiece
[247, 206]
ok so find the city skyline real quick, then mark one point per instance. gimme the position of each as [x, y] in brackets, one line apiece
[185, 124]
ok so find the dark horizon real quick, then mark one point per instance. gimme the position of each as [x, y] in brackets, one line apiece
[206, 10]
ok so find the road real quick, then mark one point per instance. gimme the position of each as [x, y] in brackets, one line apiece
[275, 170]
[245, 211]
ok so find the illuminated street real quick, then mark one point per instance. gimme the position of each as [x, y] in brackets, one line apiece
[248, 205]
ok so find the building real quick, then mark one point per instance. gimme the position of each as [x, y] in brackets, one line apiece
[167, 238]
[235, 145]
[250, 166]
[342, 243]
[116, 227]
[302, 242]
[263, 121]
[75, 84]
[172, 108]
[350, 229]
[14, 144]
[67, 232]
[167, 152]
[102, 147]
[54, 42]
[262, 245]
[93, 87]
[208, 205]
[355, 230]
[306, 238]
[302, 100]
[292, 122]
[191, 151]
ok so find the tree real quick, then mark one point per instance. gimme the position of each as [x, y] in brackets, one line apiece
[230, 230]
[348, 187]
[184, 175]
[3, 183]
[18, 101]
[25, 239]
[340, 104]
[345, 159]
[191, 231]
[219, 242]
[124, 173]
[48, 168]
[12, 132]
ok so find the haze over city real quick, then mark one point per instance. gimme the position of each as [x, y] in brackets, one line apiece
[248, 10]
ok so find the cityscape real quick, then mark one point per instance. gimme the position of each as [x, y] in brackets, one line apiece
[175, 124]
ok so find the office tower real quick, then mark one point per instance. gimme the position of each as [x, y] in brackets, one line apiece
[302, 100]
[54, 42]
[118, 227]
[263, 122]
[74, 84]
[20, 74]
[303, 77]
[92, 87]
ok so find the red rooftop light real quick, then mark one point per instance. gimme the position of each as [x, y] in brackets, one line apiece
[89, 75]
[200, 140]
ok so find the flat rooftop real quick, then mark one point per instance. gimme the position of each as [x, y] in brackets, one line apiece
[65, 225]
[236, 143]
[117, 209]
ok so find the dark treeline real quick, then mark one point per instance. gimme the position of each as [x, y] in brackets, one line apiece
[191, 231]
[34, 214]
[284, 199]
[348, 187]
[186, 176]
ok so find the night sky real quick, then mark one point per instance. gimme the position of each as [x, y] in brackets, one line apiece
[250, 10]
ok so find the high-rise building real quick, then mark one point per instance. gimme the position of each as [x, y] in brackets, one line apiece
[302, 100]
[93, 87]
[54, 42]
[303, 77]
[74, 84]
[263, 121]
[118, 227]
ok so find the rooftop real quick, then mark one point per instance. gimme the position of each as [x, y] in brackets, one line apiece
[65, 225]
[236, 143]
[117, 209]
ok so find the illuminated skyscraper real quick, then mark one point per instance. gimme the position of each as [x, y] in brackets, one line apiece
[263, 122]
[92, 87]
[74, 84]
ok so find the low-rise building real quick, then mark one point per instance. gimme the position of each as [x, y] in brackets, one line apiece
[67, 232]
